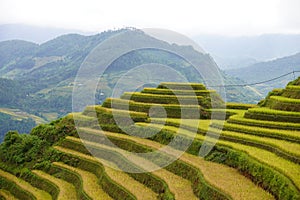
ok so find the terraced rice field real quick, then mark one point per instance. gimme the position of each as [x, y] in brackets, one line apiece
[90, 180]
[258, 140]
[263, 123]
[117, 176]
[25, 186]
[273, 112]
[291, 169]
[136, 188]
[7, 195]
[256, 156]
[225, 178]
[180, 187]
[66, 190]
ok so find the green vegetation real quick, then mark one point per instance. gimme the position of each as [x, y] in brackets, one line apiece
[202, 190]
[69, 176]
[18, 149]
[295, 82]
[172, 110]
[268, 114]
[263, 123]
[261, 151]
[89, 163]
[107, 116]
[15, 189]
[273, 112]
[162, 99]
[213, 173]
[23, 189]
[267, 70]
[137, 116]
[240, 106]
[283, 103]
[38, 79]
[90, 186]
[292, 91]
[264, 132]
[285, 99]
[9, 123]
[293, 87]
[6, 195]
[20, 115]
[165, 91]
[139, 145]
[182, 86]
[155, 183]
[286, 149]
[137, 189]
[66, 190]
[255, 168]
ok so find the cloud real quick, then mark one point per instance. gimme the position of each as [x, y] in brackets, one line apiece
[191, 17]
[289, 12]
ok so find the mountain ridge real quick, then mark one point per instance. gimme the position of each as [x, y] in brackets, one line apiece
[45, 73]
[268, 70]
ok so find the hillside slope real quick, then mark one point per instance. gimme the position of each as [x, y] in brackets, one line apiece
[269, 70]
[256, 156]
[236, 52]
[39, 79]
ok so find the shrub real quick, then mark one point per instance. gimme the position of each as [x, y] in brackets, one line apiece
[56, 130]
[18, 149]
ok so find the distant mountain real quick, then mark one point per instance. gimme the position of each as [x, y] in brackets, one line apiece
[34, 34]
[268, 70]
[15, 50]
[228, 52]
[39, 79]
[54, 63]
[238, 52]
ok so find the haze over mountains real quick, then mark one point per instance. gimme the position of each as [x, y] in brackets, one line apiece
[33, 34]
[262, 71]
[36, 79]
[228, 51]
[238, 52]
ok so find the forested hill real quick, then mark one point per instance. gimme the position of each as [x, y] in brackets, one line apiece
[38, 79]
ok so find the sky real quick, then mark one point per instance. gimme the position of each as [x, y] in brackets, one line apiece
[190, 17]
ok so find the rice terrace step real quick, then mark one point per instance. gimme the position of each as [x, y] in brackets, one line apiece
[256, 155]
